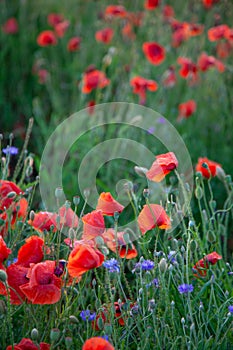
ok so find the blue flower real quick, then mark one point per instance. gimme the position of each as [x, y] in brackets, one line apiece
[145, 265]
[112, 265]
[185, 288]
[10, 150]
[87, 315]
[230, 308]
[171, 256]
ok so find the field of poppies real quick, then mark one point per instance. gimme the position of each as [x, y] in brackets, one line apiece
[116, 214]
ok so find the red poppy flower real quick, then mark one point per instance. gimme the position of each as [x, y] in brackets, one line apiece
[16, 277]
[218, 32]
[186, 109]
[44, 287]
[141, 85]
[94, 79]
[209, 3]
[27, 344]
[105, 35]
[223, 49]
[93, 225]
[205, 62]
[10, 26]
[61, 28]
[4, 250]
[210, 170]
[83, 258]
[151, 4]
[200, 268]
[169, 78]
[19, 211]
[162, 166]
[54, 18]
[97, 343]
[5, 188]
[43, 76]
[154, 52]
[42, 221]
[115, 11]
[229, 35]
[188, 69]
[31, 251]
[108, 205]
[74, 44]
[116, 242]
[46, 38]
[153, 216]
[168, 12]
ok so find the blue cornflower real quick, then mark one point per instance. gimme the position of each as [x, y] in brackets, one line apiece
[10, 150]
[171, 256]
[185, 288]
[112, 265]
[147, 265]
[230, 308]
[106, 337]
[87, 315]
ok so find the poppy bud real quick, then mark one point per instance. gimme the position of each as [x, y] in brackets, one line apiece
[211, 236]
[55, 335]
[32, 215]
[34, 334]
[162, 265]
[3, 276]
[73, 319]
[172, 303]
[193, 245]
[198, 192]
[59, 192]
[220, 173]
[182, 320]
[100, 323]
[212, 204]
[108, 329]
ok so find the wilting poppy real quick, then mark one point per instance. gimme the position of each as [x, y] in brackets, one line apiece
[151, 4]
[93, 225]
[44, 287]
[108, 205]
[200, 268]
[83, 258]
[186, 109]
[141, 85]
[4, 250]
[162, 166]
[115, 11]
[31, 251]
[61, 28]
[152, 216]
[207, 167]
[104, 35]
[42, 221]
[74, 44]
[116, 243]
[154, 52]
[54, 18]
[5, 188]
[205, 62]
[94, 79]
[188, 69]
[97, 343]
[16, 277]
[218, 32]
[169, 77]
[27, 344]
[10, 26]
[46, 38]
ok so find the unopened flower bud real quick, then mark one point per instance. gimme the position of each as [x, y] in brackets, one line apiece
[73, 319]
[199, 192]
[162, 265]
[140, 171]
[34, 334]
[3, 276]
[32, 215]
[11, 194]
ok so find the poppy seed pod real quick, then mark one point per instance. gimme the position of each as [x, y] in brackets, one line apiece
[3, 276]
